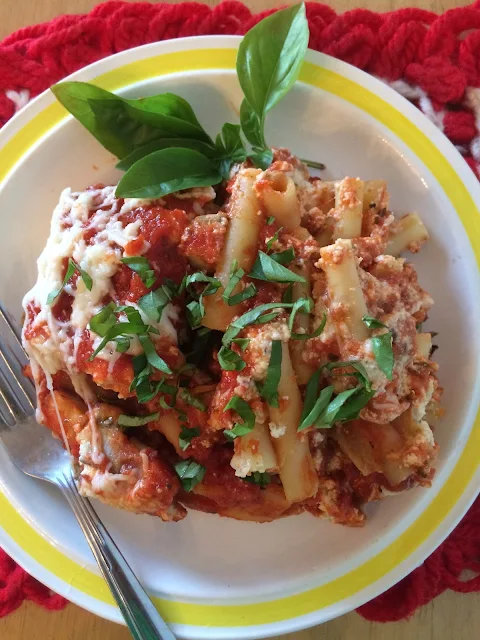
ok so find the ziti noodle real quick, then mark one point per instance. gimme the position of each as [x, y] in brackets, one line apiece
[253, 350]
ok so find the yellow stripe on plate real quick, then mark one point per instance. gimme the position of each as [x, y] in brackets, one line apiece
[349, 584]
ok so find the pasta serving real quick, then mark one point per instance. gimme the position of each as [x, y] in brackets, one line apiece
[252, 350]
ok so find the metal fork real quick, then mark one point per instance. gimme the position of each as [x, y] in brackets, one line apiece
[34, 451]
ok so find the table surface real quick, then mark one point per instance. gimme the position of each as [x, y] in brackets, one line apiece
[449, 616]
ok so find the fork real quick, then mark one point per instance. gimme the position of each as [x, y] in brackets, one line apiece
[33, 450]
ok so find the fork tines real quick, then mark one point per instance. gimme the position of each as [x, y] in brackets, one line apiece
[17, 393]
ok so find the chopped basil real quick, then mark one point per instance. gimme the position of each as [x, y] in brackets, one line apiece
[270, 220]
[373, 323]
[305, 305]
[274, 238]
[252, 317]
[241, 342]
[319, 405]
[321, 411]
[381, 346]
[247, 293]
[315, 334]
[142, 268]
[152, 356]
[186, 436]
[195, 310]
[192, 400]
[153, 303]
[123, 344]
[230, 360]
[236, 275]
[190, 473]
[260, 478]
[245, 412]
[288, 294]
[104, 320]
[136, 421]
[266, 268]
[383, 352]
[71, 268]
[120, 329]
[284, 257]
[269, 389]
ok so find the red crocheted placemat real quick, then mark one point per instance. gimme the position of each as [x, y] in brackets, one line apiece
[434, 61]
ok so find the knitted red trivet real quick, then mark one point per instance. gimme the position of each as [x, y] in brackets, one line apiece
[432, 60]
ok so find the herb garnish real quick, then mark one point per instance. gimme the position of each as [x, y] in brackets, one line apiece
[72, 267]
[186, 436]
[381, 346]
[190, 473]
[136, 421]
[245, 412]
[260, 478]
[142, 267]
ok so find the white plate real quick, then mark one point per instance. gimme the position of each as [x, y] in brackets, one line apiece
[213, 577]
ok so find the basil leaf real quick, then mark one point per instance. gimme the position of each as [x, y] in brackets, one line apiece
[249, 292]
[152, 304]
[152, 356]
[186, 436]
[262, 478]
[122, 328]
[288, 294]
[270, 57]
[133, 316]
[245, 412]
[230, 360]
[192, 400]
[310, 394]
[165, 143]
[230, 148]
[265, 268]
[383, 352]
[136, 421]
[250, 317]
[121, 125]
[315, 334]
[373, 323]
[235, 277]
[190, 473]
[252, 126]
[104, 320]
[242, 342]
[72, 267]
[269, 389]
[123, 344]
[351, 409]
[305, 305]
[270, 220]
[318, 407]
[166, 171]
[261, 158]
[283, 257]
[327, 418]
[195, 311]
[361, 373]
[142, 267]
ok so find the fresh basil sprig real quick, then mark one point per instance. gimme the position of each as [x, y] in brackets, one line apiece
[268, 63]
[163, 172]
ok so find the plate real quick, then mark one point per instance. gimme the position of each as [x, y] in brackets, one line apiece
[213, 577]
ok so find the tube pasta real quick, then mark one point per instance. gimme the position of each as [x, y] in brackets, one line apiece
[348, 208]
[302, 323]
[409, 233]
[296, 469]
[345, 291]
[254, 451]
[278, 194]
[240, 245]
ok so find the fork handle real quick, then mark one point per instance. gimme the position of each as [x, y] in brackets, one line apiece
[141, 616]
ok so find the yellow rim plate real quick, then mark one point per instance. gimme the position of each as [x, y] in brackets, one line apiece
[320, 75]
